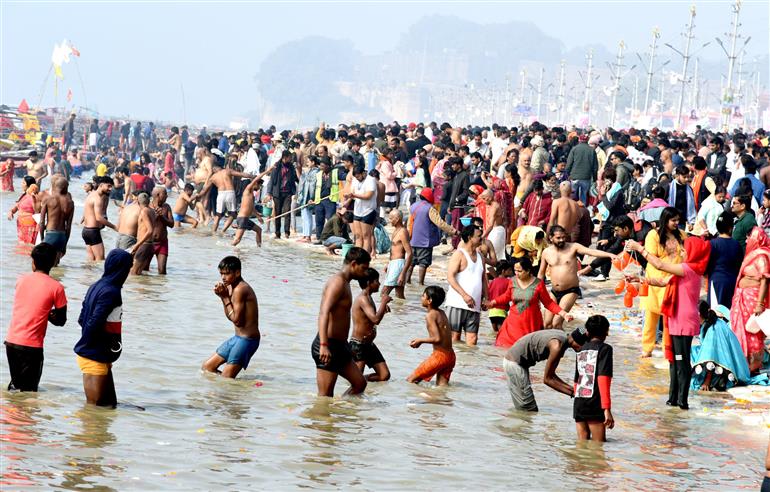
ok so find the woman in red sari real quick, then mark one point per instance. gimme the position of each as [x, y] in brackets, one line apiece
[27, 206]
[751, 296]
[526, 294]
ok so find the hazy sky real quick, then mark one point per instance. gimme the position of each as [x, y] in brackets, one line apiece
[136, 55]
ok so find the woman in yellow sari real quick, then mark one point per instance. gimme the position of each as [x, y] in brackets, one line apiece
[667, 243]
[528, 241]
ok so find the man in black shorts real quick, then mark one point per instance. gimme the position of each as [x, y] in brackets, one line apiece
[365, 320]
[330, 349]
[364, 194]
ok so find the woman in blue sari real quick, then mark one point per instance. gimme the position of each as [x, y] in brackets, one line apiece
[718, 362]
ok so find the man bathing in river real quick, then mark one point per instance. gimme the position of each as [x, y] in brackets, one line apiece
[95, 218]
[561, 256]
[442, 360]
[330, 349]
[56, 214]
[366, 317]
[400, 255]
[243, 221]
[163, 220]
[185, 200]
[242, 309]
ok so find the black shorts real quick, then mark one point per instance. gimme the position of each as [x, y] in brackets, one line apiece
[341, 355]
[422, 256]
[367, 352]
[559, 294]
[368, 219]
[246, 224]
[92, 236]
[26, 366]
[593, 417]
[497, 320]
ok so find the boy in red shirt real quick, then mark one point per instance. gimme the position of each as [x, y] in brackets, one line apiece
[38, 300]
[498, 287]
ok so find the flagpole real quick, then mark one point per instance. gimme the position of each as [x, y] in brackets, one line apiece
[42, 88]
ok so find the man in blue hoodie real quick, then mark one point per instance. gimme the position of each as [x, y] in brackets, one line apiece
[101, 320]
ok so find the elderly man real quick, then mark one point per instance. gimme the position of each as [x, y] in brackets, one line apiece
[540, 162]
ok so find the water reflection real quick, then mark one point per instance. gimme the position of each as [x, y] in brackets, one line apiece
[18, 416]
[84, 464]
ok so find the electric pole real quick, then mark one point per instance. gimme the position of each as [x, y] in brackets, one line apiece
[655, 36]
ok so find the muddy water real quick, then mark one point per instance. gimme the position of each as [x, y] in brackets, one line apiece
[268, 430]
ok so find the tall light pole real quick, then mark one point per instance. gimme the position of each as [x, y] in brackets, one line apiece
[655, 37]
[589, 84]
[727, 96]
[686, 58]
[616, 82]
[562, 67]
[540, 91]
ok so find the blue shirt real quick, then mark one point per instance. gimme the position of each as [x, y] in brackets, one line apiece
[757, 187]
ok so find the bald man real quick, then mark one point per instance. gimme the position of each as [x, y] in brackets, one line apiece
[564, 210]
[494, 230]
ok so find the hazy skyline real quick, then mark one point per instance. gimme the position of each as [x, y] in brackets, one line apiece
[136, 56]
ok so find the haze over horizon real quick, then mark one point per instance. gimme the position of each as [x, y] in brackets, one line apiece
[216, 51]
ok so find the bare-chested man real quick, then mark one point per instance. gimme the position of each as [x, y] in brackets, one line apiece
[36, 168]
[400, 255]
[95, 218]
[494, 230]
[564, 210]
[243, 221]
[128, 223]
[163, 220]
[144, 247]
[561, 256]
[525, 173]
[201, 177]
[56, 213]
[330, 349]
[242, 309]
[223, 180]
[366, 317]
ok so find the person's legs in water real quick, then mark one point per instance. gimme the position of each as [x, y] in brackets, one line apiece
[100, 390]
[682, 346]
[325, 381]
[353, 375]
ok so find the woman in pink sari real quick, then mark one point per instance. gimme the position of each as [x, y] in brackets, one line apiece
[26, 206]
[751, 296]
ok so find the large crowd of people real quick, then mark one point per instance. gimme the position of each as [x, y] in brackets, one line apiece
[526, 214]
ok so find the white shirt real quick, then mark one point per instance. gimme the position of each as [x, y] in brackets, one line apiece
[252, 162]
[361, 207]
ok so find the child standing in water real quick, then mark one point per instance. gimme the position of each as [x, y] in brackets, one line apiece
[442, 360]
[592, 408]
[497, 287]
[240, 305]
[365, 320]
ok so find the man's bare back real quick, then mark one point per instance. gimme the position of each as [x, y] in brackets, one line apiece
[248, 325]
[363, 328]
[339, 299]
[58, 210]
[564, 212]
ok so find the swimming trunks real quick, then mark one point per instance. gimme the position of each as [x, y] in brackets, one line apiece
[369, 218]
[179, 218]
[161, 247]
[246, 223]
[226, 202]
[395, 267]
[366, 351]
[463, 320]
[559, 294]
[341, 355]
[441, 362]
[92, 367]
[422, 256]
[125, 241]
[57, 239]
[92, 236]
[238, 350]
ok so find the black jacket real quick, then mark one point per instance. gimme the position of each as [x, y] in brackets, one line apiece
[275, 180]
[718, 167]
[458, 191]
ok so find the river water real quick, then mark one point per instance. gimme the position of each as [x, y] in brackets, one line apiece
[268, 430]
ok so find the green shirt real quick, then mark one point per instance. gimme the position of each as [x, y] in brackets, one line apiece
[743, 227]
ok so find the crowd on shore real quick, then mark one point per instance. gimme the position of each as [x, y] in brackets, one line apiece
[518, 209]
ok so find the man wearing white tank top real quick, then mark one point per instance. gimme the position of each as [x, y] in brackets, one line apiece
[467, 287]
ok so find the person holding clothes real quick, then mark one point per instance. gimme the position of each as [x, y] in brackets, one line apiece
[680, 307]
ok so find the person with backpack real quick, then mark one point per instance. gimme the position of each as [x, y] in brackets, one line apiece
[425, 226]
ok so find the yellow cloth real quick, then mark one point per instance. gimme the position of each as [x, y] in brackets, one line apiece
[93, 368]
[523, 241]
[654, 297]
[101, 169]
